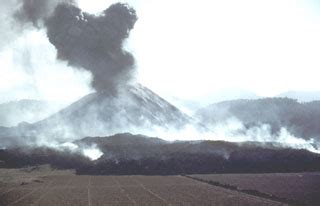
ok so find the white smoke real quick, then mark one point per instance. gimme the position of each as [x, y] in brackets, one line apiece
[92, 152]
[233, 130]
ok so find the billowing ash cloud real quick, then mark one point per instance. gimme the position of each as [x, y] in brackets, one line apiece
[94, 43]
[36, 11]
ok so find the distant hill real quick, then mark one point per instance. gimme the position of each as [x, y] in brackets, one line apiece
[302, 96]
[30, 111]
[192, 105]
[300, 119]
[230, 94]
[126, 154]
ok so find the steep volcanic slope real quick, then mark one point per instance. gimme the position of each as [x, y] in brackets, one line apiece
[300, 119]
[133, 109]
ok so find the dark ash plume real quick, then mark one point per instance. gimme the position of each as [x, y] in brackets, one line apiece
[94, 42]
[36, 11]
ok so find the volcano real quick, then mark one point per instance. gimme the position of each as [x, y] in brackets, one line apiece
[134, 108]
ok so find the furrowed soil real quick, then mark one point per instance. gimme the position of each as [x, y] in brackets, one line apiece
[48, 187]
[294, 188]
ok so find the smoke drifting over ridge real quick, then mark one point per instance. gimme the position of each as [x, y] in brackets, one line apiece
[94, 43]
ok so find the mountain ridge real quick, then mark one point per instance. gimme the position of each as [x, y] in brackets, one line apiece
[300, 119]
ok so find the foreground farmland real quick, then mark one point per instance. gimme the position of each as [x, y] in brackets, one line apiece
[33, 187]
[296, 188]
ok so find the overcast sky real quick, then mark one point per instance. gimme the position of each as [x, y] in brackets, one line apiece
[187, 49]
[193, 48]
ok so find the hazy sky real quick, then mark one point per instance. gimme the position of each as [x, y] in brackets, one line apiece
[188, 49]
[191, 48]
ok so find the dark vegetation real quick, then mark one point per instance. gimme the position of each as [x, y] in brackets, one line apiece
[301, 119]
[129, 154]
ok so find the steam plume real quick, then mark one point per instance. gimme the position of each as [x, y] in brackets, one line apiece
[94, 42]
